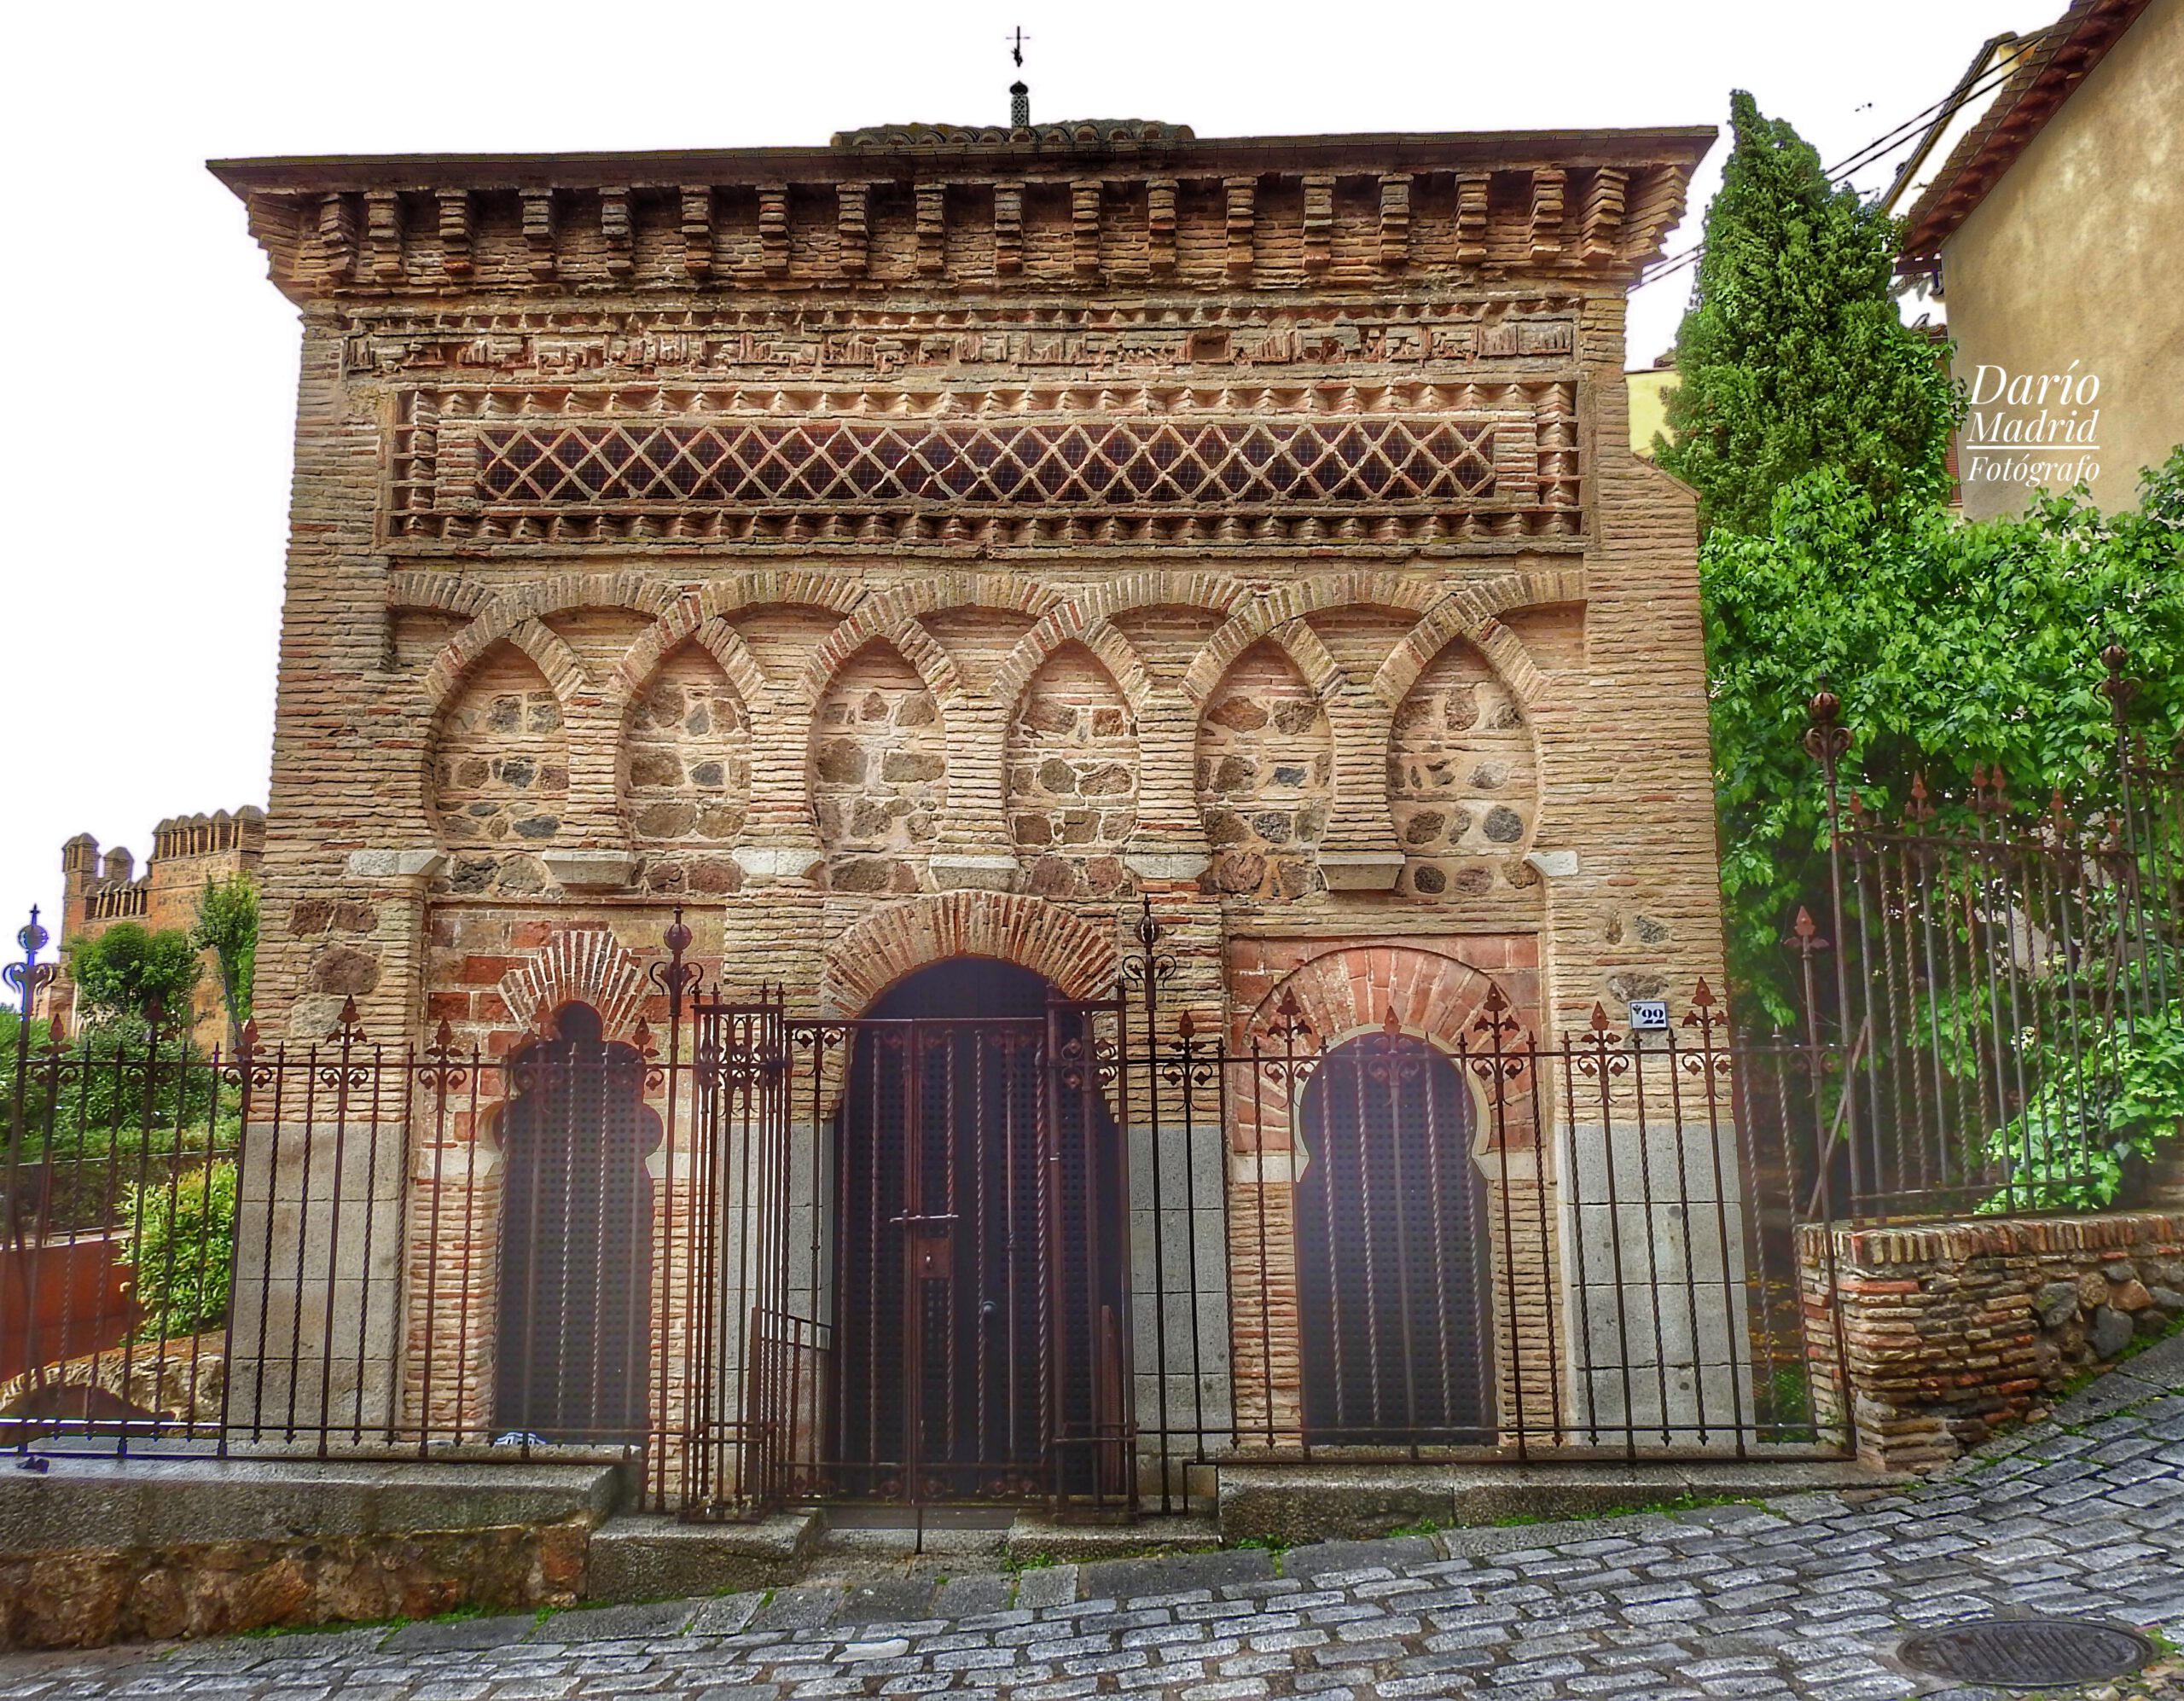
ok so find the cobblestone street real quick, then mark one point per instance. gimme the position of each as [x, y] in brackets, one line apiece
[2080, 1516]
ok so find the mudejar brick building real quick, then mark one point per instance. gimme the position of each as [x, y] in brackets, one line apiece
[920, 558]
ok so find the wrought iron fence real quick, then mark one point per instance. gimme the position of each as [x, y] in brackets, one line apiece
[1070, 1258]
[2007, 987]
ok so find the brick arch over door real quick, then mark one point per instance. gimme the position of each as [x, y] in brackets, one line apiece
[584, 966]
[1338, 995]
[879, 950]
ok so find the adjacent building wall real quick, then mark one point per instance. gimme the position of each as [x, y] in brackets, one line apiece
[2060, 270]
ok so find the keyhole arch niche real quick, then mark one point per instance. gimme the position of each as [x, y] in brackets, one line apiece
[685, 772]
[1463, 780]
[574, 1284]
[497, 765]
[878, 773]
[1073, 778]
[1265, 776]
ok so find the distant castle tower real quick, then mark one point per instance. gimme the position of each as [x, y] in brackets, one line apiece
[97, 892]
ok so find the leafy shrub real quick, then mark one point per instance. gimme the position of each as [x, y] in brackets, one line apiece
[181, 1244]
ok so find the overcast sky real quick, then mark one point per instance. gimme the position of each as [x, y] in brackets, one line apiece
[148, 430]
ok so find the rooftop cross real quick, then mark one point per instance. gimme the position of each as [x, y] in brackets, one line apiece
[1019, 93]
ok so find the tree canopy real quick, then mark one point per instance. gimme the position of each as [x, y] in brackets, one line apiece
[1948, 644]
[123, 971]
[227, 927]
[1793, 355]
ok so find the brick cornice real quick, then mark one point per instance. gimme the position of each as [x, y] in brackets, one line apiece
[1018, 215]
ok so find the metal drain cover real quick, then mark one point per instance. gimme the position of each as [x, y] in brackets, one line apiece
[2026, 1653]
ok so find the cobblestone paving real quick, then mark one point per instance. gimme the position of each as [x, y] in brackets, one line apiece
[2083, 1516]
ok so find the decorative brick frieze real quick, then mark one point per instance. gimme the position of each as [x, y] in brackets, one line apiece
[1267, 223]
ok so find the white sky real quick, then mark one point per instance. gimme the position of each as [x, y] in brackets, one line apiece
[149, 426]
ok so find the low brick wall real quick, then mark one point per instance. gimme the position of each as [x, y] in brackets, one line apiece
[1955, 1330]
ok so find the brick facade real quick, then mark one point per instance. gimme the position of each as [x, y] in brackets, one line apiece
[944, 541]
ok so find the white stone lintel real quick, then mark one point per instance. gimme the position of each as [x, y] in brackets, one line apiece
[1360, 870]
[395, 865]
[589, 869]
[1167, 865]
[777, 861]
[958, 872]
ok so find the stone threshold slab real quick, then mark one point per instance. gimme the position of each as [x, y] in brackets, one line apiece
[1318, 1503]
[80, 1501]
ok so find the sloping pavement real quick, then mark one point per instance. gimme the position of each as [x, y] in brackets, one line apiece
[2081, 1516]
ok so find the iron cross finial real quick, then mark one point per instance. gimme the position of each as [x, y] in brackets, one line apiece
[1016, 47]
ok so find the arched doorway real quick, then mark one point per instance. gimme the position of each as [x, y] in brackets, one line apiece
[1393, 1272]
[576, 1240]
[980, 1256]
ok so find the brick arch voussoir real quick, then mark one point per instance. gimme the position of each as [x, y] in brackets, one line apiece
[687, 622]
[548, 650]
[1469, 613]
[1270, 613]
[1069, 624]
[903, 937]
[634, 593]
[888, 614]
[1434, 995]
[1088, 618]
[576, 965]
[438, 592]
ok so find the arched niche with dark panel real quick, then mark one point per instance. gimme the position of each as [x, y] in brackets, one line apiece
[1393, 1266]
[576, 1267]
[980, 1257]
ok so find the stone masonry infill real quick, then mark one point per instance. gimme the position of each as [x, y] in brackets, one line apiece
[1808, 1597]
[1955, 1331]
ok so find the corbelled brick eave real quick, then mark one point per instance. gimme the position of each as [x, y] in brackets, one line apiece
[1251, 211]
[1682, 147]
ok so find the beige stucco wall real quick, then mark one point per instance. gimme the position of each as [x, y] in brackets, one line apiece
[1648, 388]
[2073, 256]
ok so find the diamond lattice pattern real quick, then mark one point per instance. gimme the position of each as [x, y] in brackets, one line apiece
[1107, 463]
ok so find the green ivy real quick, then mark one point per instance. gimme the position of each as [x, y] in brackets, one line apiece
[2067, 1149]
[1948, 644]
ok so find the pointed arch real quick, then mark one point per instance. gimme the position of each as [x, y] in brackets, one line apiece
[893, 614]
[497, 761]
[1468, 612]
[549, 652]
[1413, 592]
[1086, 618]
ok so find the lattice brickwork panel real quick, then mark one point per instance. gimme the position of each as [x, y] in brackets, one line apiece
[495, 466]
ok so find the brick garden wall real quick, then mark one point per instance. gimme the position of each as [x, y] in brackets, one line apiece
[1953, 1331]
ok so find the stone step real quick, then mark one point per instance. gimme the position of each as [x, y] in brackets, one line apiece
[84, 1500]
[649, 1556]
[1292, 1503]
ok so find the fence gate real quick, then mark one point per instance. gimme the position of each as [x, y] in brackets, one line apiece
[918, 1226]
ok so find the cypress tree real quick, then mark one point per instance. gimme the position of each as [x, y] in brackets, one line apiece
[1792, 355]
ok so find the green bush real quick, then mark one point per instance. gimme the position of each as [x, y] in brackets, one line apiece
[102, 1114]
[181, 1245]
